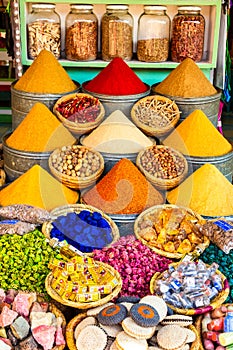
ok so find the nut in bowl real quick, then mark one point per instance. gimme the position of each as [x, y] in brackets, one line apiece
[80, 113]
[155, 115]
[171, 231]
[163, 166]
[76, 166]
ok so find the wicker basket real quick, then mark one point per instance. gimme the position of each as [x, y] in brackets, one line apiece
[216, 302]
[85, 305]
[170, 255]
[77, 319]
[168, 124]
[79, 128]
[71, 328]
[76, 208]
[158, 182]
[76, 183]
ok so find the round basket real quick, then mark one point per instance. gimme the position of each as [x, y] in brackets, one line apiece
[75, 127]
[216, 302]
[76, 208]
[76, 182]
[158, 181]
[86, 305]
[156, 209]
[155, 115]
[71, 328]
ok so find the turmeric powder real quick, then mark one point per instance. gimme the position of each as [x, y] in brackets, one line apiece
[45, 76]
[207, 192]
[186, 80]
[40, 131]
[38, 188]
[197, 136]
[123, 190]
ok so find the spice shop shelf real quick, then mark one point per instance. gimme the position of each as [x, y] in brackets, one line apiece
[211, 10]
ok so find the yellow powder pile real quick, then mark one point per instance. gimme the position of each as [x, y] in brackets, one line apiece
[45, 75]
[117, 134]
[186, 80]
[40, 131]
[37, 187]
[197, 136]
[207, 192]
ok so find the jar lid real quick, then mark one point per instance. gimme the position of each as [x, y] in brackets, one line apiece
[155, 7]
[81, 6]
[117, 7]
[189, 8]
[43, 6]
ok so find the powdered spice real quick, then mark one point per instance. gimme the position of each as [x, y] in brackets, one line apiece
[197, 136]
[186, 80]
[38, 188]
[207, 192]
[40, 131]
[45, 76]
[123, 190]
[117, 78]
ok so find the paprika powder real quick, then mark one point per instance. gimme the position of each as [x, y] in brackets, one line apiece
[117, 78]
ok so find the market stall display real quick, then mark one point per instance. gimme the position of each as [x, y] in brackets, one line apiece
[163, 166]
[76, 166]
[84, 227]
[80, 113]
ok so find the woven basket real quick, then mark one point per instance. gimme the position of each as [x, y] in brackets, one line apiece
[71, 328]
[158, 182]
[198, 327]
[76, 183]
[170, 255]
[77, 208]
[84, 305]
[216, 302]
[156, 131]
[79, 128]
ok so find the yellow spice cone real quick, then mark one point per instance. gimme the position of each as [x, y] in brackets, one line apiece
[207, 192]
[38, 188]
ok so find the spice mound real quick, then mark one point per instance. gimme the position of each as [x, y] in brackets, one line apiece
[207, 192]
[155, 115]
[39, 131]
[170, 229]
[202, 141]
[186, 80]
[123, 190]
[96, 280]
[76, 166]
[78, 108]
[45, 76]
[173, 285]
[30, 322]
[117, 134]
[38, 188]
[117, 78]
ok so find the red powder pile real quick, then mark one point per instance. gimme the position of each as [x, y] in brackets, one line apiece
[117, 78]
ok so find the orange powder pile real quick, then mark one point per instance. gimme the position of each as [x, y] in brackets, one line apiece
[186, 80]
[40, 131]
[197, 136]
[207, 192]
[37, 187]
[45, 75]
[123, 190]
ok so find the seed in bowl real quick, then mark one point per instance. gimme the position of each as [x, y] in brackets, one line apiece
[76, 161]
[162, 162]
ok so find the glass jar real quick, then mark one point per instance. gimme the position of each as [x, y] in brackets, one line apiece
[117, 33]
[81, 41]
[44, 30]
[153, 34]
[187, 37]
